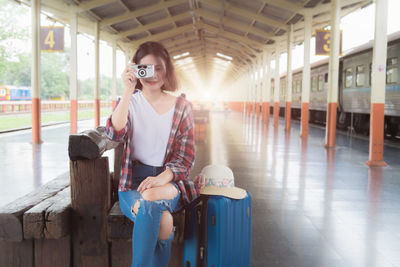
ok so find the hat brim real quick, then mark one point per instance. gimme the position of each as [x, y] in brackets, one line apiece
[231, 192]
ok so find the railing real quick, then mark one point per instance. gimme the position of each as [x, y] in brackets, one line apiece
[7, 107]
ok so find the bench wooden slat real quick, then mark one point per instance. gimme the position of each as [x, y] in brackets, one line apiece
[120, 235]
[11, 216]
[119, 226]
[16, 253]
[50, 218]
[53, 252]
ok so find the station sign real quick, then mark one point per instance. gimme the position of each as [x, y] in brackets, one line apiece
[52, 39]
[323, 41]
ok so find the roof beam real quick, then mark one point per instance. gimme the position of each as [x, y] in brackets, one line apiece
[234, 24]
[234, 52]
[140, 12]
[210, 53]
[241, 39]
[93, 4]
[248, 14]
[192, 49]
[156, 24]
[179, 42]
[236, 46]
[326, 8]
[164, 35]
[285, 4]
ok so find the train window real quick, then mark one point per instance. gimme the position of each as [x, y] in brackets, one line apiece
[370, 73]
[391, 75]
[298, 86]
[294, 86]
[326, 77]
[2, 92]
[348, 74]
[314, 84]
[360, 76]
[392, 61]
[392, 70]
[320, 83]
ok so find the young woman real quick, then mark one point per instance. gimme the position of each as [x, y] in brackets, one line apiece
[157, 129]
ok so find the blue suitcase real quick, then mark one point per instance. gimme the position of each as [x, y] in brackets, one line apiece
[218, 232]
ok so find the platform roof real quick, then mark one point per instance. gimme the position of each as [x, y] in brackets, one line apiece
[240, 29]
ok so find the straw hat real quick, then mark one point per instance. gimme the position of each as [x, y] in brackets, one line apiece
[219, 180]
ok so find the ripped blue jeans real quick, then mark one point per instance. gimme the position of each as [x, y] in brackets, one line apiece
[148, 249]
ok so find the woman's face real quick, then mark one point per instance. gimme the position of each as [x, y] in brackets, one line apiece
[157, 81]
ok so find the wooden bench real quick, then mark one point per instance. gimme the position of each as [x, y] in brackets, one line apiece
[75, 220]
[35, 229]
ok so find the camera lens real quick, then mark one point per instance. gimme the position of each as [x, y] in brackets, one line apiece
[142, 73]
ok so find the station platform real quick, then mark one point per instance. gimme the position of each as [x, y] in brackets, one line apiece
[311, 206]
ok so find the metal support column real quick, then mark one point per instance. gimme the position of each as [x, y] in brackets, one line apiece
[73, 78]
[378, 85]
[96, 75]
[288, 107]
[258, 88]
[114, 75]
[276, 83]
[35, 72]
[330, 136]
[267, 86]
[305, 93]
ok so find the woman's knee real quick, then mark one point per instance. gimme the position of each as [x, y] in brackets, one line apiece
[167, 191]
[166, 225]
[135, 207]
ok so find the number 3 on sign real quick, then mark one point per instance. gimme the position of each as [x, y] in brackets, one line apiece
[327, 38]
[49, 40]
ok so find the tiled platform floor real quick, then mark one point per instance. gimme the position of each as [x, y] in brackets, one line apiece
[312, 207]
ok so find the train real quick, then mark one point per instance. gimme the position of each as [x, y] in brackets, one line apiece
[354, 94]
[15, 93]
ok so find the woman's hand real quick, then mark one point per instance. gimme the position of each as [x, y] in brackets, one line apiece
[129, 78]
[150, 182]
[162, 179]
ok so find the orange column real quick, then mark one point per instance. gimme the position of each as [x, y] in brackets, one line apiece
[73, 78]
[305, 94]
[333, 76]
[276, 113]
[97, 76]
[96, 112]
[35, 71]
[276, 83]
[267, 114]
[74, 116]
[330, 134]
[304, 119]
[288, 112]
[376, 135]
[288, 107]
[36, 121]
[378, 85]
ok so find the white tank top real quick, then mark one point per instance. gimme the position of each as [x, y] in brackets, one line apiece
[150, 131]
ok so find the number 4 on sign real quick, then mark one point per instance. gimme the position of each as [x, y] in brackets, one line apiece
[49, 40]
[52, 39]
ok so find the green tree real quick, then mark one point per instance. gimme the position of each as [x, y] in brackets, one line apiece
[11, 31]
[54, 75]
[86, 90]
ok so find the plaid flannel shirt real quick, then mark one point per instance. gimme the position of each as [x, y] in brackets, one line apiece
[179, 153]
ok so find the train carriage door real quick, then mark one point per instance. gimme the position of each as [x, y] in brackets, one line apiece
[340, 85]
